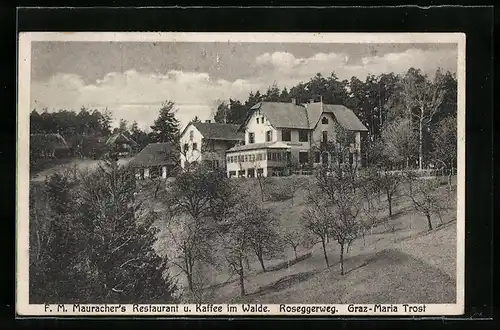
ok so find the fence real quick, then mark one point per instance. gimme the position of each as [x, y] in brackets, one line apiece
[426, 172]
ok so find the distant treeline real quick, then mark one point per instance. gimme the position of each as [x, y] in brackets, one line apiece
[378, 101]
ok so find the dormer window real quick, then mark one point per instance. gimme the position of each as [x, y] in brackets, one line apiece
[324, 121]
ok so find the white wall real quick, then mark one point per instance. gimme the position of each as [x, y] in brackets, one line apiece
[317, 135]
[259, 129]
[191, 155]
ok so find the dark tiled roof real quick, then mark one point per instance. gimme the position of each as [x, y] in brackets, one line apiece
[344, 116]
[289, 115]
[282, 114]
[53, 140]
[155, 154]
[121, 137]
[265, 145]
[219, 131]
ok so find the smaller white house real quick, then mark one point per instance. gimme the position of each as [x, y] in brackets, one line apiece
[206, 143]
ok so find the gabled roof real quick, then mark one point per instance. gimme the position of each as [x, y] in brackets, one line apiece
[218, 131]
[51, 140]
[344, 116]
[121, 137]
[289, 115]
[155, 154]
[265, 145]
[282, 114]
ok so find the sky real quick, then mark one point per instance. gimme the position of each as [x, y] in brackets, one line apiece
[132, 79]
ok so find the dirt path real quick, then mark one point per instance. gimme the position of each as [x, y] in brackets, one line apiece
[80, 164]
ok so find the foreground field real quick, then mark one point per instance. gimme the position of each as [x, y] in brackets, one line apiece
[406, 264]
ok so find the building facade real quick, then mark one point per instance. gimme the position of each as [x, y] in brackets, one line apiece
[154, 161]
[279, 136]
[206, 143]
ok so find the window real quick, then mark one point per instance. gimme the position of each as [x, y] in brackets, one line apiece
[303, 136]
[186, 147]
[251, 138]
[191, 135]
[303, 157]
[241, 174]
[257, 120]
[251, 173]
[259, 157]
[229, 159]
[324, 121]
[325, 136]
[288, 155]
[195, 146]
[269, 136]
[215, 164]
[286, 135]
[246, 158]
[316, 157]
[252, 158]
[264, 156]
[260, 172]
[232, 173]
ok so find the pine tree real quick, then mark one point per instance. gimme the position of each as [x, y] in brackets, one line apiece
[122, 259]
[166, 126]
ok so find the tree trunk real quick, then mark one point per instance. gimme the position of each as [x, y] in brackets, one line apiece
[240, 271]
[261, 188]
[261, 261]
[247, 263]
[324, 252]
[295, 252]
[389, 201]
[420, 143]
[429, 223]
[342, 259]
[190, 281]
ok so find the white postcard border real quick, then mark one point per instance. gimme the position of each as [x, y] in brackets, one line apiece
[23, 106]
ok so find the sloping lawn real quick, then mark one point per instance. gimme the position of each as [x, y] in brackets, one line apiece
[389, 276]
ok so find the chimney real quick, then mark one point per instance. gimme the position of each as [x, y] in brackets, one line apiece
[294, 100]
[207, 121]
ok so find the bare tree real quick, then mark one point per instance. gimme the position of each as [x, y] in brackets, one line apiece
[316, 219]
[389, 183]
[444, 141]
[371, 204]
[190, 245]
[399, 142]
[197, 201]
[235, 242]
[423, 99]
[294, 237]
[424, 195]
[263, 237]
[343, 205]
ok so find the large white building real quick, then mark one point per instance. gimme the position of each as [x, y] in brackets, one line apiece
[276, 133]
